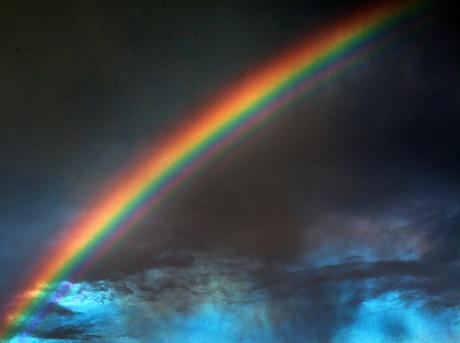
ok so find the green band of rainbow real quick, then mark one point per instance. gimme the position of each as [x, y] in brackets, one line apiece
[307, 67]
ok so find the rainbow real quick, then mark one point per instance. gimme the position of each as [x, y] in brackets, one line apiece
[308, 66]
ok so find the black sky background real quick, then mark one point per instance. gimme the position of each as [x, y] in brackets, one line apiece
[85, 85]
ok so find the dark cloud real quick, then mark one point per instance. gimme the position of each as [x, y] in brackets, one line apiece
[431, 282]
[66, 333]
[349, 196]
[380, 146]
[59, 310]
[85, 85]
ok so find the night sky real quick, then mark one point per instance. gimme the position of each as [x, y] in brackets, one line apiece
[337, 222]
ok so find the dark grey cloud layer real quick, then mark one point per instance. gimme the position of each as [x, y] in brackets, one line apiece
[349, 195]
[84, 85]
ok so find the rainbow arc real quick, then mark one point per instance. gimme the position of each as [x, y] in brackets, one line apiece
[303, 69]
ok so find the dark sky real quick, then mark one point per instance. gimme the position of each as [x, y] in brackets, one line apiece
[339, 221]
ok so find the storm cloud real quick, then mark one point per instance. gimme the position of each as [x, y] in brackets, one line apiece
[336, 222]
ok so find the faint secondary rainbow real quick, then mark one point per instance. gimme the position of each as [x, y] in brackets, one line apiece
[305, 68]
